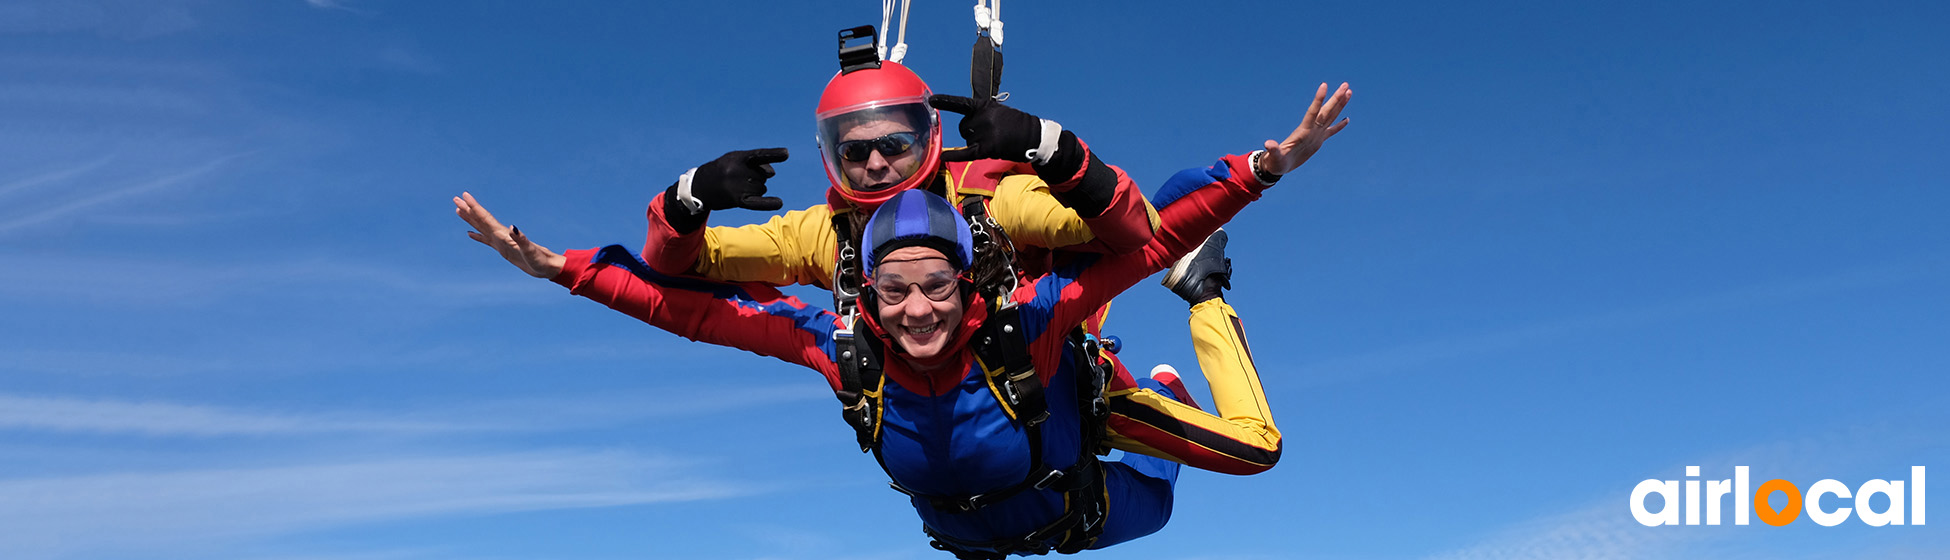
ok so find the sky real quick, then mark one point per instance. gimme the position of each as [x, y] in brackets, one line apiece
[1561, 249]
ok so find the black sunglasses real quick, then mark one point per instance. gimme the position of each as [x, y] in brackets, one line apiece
[891, 145]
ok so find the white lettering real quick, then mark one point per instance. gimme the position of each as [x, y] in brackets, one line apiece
[1744, 496]
[1716, 489]
[1916, 495]
[1668, 489]
[1891, 516]
[1813, 502]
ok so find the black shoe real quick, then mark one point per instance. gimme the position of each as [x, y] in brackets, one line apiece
[1200, 274]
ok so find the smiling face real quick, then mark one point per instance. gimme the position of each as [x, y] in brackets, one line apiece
[921, 326]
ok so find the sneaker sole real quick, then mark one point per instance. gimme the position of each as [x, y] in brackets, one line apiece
[1178, 268]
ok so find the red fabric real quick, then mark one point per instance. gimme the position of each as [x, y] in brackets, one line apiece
[702, 317]
[664, 249]
[1125, 225]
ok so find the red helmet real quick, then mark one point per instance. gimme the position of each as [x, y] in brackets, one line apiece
[877, 133]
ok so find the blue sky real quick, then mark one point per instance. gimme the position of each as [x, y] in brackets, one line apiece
[1561, 249]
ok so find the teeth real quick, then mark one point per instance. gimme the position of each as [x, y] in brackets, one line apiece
[924, 330]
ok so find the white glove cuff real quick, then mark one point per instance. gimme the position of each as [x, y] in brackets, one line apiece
[1047, 147]
[684, 192]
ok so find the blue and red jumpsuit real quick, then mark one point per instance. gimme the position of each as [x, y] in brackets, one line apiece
[947, 435]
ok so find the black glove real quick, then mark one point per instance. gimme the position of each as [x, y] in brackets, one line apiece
[990, 129]
[737, 180]
[734, 180]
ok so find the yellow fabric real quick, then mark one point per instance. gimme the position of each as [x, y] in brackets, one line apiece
[794, 248]
[1024, 207]
[1228, 367]
[1241, 413]
[797, 247]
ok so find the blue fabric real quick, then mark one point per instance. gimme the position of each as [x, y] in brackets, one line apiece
[918, 214]
[1184, 182]
[962, 443]
[1141, 489]
[1039, 309]
[982, 449]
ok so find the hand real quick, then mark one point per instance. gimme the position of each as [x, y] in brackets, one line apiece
[737, 180]
[533, 259]
[990, 129]
[1282, 157]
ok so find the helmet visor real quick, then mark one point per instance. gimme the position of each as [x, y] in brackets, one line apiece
[876, 146]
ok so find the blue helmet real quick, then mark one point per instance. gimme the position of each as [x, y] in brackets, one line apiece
[917, 217]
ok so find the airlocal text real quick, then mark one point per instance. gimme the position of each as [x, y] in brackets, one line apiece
[1718, 490]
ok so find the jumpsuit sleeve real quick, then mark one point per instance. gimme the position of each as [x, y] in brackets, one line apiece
[751, 317]
[793, 248]
[1074, 292]
[1241, 437]
[1025, 207]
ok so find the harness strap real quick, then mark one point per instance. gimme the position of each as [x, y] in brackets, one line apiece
[847, 275]
[1021, 393]
[1078, 528]
[862, 385]
[1003, 354]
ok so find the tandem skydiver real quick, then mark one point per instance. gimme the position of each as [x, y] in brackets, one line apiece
[944, 355]
[879, 135]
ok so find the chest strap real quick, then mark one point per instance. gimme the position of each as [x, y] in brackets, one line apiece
[862, 384]
[1082, 484]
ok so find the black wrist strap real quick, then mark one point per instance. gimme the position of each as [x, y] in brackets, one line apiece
[1264, 177]
[679, 217]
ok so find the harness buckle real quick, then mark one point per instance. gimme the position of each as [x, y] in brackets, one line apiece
[1050, 479]
[1090, 522]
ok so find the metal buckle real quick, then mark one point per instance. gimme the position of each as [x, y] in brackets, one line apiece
[969, 504]
[1050, 479]
[1009, 392]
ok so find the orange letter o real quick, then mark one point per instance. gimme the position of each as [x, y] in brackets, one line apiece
[1783, 516]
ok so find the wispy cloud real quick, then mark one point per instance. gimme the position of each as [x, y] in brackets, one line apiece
[338, 5]
[156, 418]
[123, 20]
[1599, 532]
[1410, 356]
[24, 184]
[122, 280]
[52, 517]
[117, 194]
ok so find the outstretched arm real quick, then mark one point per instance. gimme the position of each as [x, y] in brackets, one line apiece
[749, 317]
[1314, 130]
[526, 255]
[1200, 202]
